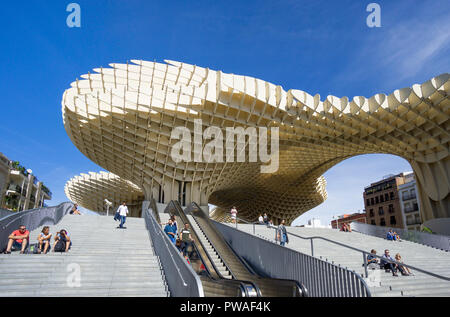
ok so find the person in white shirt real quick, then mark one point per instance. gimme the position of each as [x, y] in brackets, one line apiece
[261, 219]
[123, 211]
[233, 214]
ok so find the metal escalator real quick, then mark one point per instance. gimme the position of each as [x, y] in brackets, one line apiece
[216, 279]
[268, 287]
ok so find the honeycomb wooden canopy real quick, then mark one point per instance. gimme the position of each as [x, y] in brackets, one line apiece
[90, 190]
[121, 117]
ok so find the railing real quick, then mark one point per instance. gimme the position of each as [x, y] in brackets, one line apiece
[250, 289]
[433, 240]
[321, 278]
[414, 209]
[32, 219]
[180, 277]
[363, 253]
[409, 196]
[6, 213]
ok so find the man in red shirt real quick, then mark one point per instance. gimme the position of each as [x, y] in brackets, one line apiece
[18, 239]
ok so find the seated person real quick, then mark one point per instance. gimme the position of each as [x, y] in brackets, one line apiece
[388, 266]
[344, 227]
[372, 261]
[396, 236]
[19, 239]
[390, 235]
[260, 219]
[64, 239]
[403, 269]
[75, 210]
[44, 239]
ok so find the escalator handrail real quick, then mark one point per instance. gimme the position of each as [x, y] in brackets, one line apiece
[205, 217]
[181, 213]
[194, 206]
[184, 219]
[221, 281]
[246, 282]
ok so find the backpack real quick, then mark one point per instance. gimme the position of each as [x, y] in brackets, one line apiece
[60, 246]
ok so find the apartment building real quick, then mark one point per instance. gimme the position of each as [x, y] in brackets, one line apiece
[393, 202]
[382, 202]
[409, 203]
[19, 188]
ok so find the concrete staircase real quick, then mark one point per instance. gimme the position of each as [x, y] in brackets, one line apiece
[414, 254]
[112, 262]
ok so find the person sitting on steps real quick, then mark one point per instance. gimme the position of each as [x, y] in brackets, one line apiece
[44, 240]
[19, 239]
[62, 241]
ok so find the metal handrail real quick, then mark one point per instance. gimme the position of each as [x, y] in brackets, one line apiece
[171, 256]
[164, 249]
[299, 287]
[364, 255]
[185, 219]
[251, 223]
[320, 277]
[32, 218]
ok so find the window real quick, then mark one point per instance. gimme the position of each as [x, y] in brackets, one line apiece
[372, 222]
[391, 194]
[391, 208]
[386, 197]
[382, 199]
[380, 211]
[371, 213]
[382, 222]
[393, 221]
[372, 202]
[415, 206]
[376, 200]
[367, 202]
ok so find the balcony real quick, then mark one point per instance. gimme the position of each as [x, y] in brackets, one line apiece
[14, 189]
[409, 197]
[411, 209]
[413, 222]
[46, 190]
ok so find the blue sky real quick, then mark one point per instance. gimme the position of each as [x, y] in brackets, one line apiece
[317, 46]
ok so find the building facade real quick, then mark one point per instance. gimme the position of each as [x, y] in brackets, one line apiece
[348, 218]
[19, 188]
[409, 203]
[393, 202]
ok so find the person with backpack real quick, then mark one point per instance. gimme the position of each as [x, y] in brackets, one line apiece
[44, 240]
[62, 241]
